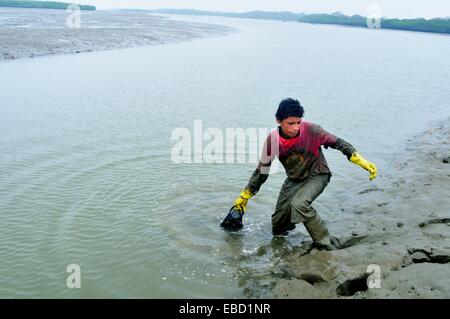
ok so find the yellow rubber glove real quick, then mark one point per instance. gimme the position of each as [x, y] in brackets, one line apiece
[241, 201]
[368, 166]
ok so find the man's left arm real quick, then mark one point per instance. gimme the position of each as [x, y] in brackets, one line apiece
[329, 140]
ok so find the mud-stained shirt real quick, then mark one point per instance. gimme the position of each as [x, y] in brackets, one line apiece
[301, 156]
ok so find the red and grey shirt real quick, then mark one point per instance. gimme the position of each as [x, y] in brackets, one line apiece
[301, 156]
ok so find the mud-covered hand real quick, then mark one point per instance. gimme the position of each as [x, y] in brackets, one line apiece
[241, 202]
[368, 166]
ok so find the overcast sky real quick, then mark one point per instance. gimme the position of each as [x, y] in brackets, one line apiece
[389, 8]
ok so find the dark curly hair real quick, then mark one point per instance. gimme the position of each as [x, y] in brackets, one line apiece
[289, 107]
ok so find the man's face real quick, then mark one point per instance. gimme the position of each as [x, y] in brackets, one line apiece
[290, 126]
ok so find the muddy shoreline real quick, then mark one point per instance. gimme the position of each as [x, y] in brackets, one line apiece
[26, 33]
[405, 238]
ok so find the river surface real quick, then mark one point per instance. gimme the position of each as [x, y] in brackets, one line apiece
[87, 176]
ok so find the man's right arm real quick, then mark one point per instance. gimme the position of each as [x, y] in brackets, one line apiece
[253, 186]
[261, 173]
[257, 178]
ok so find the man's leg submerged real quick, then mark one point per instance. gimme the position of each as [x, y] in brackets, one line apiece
[302, 211]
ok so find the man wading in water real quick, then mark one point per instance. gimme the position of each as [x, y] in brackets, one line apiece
[299, 151]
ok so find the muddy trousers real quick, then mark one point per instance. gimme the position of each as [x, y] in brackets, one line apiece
[294, 204]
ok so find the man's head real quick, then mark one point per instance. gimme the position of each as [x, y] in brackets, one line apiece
[289, 116]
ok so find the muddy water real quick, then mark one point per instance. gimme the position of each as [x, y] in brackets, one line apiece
[87, 177]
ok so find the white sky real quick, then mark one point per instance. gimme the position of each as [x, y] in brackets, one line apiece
[389, 8]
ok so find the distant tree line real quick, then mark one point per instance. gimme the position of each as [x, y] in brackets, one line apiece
[437, 25]
[40, 4]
